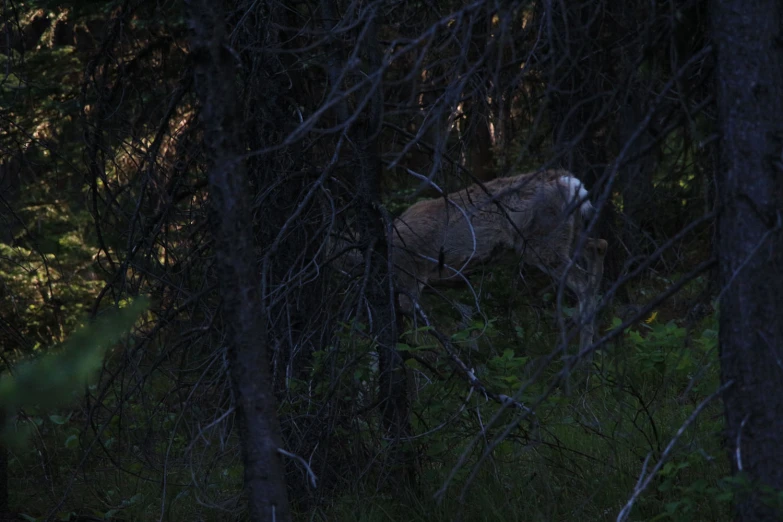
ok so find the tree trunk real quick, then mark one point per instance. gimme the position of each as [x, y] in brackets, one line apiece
[232, 229]
[636, 179]
[749, 44]
[372, 230]
[393, 385]
[577, 113]
[476, 134]
[4, 506]
[478, 141]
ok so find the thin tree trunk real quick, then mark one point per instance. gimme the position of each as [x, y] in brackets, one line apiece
[478, 140]
[372, 229]
[232, 228]
[576, 83]
[636, 179]
[636, 173]
[748, 35]
[380, 292]
[4, 506]
[476, 133]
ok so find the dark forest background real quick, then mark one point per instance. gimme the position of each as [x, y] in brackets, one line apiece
[178, 342]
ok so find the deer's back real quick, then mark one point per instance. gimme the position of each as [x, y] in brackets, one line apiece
[472, 226]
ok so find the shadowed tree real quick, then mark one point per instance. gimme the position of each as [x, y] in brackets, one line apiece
[232, 230]
[748, 36]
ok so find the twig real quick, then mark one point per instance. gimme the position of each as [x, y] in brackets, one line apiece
[644, 481]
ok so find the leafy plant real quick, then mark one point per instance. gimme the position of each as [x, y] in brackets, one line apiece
[52, 379]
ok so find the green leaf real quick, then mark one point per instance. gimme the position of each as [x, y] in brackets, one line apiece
[462, 335]
[403, 347]
[59, 419]
[724, 496]
[671, 507]
[71, 442]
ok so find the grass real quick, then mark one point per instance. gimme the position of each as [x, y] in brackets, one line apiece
[589, 448]
[579, 460]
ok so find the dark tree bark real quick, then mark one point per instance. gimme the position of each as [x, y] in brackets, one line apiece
[4, 506]
[748, 35]
[578, 105]
[63, 33]
[10, 185]
[476, 134]
[478, 140]
[374, 228]
[380, 290]
[636, 172]
[232, 229]
[636, 182]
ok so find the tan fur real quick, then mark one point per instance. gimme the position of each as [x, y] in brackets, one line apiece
[444, 238]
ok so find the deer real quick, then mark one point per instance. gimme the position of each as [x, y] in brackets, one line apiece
[539, 216]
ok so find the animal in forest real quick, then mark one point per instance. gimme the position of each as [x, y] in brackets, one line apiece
[539, 216]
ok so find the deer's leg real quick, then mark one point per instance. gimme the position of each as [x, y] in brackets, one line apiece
[587, 307]
[580, 279]
[586, 283]
[578, 282]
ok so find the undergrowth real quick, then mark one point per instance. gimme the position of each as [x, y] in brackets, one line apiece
[578, 458]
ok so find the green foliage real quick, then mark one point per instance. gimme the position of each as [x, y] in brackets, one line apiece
[658, 352]
[53, 379]
[691, 493]
[591, 449]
